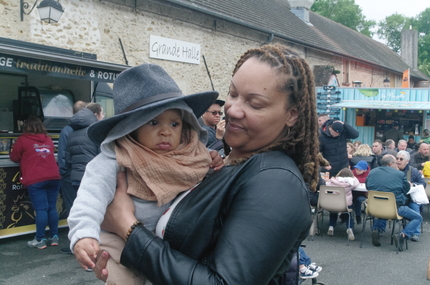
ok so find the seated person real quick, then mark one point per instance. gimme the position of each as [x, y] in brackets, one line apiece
[426, 170]
[388, 178]
[344, 179]
[361, 171]
[308, 269]
[403, 158]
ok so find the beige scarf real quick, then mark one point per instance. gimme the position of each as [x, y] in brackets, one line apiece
[161, 177]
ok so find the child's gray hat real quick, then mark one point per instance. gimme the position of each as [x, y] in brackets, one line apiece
[148, 88]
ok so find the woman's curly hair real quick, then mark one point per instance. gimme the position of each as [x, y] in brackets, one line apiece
[301, 141]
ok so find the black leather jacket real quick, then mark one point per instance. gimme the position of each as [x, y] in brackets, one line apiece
[241, 225]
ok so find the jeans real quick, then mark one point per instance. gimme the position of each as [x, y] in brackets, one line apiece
[333, 219]
[358, 200]
[412, 216]
[43, 196]
[303, 258]
[68, 193]
[416, 208]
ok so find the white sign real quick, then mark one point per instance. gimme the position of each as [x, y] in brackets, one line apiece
[170, 49]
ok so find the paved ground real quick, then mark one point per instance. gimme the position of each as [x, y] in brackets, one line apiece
[341, 264]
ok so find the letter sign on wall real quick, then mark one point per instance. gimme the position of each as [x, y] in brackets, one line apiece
[170, 49]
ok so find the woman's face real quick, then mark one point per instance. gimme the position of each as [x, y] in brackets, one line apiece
[349, 149]
[256, 111]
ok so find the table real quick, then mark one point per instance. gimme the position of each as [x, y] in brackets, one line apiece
[360, 188]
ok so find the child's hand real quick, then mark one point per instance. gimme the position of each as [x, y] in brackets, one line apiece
[86, 251]
[217, 162]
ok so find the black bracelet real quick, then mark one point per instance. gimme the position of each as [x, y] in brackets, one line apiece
[131, 229]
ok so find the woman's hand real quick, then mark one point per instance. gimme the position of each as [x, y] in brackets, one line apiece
[120, 213]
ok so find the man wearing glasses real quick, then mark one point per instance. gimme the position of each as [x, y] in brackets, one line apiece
[213, 123]
[414, 176]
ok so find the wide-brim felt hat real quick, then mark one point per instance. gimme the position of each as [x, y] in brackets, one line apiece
[143, 88]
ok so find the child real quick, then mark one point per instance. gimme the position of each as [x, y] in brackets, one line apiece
[156, 137]
[361, 171]
[308, 269]
[344, 179]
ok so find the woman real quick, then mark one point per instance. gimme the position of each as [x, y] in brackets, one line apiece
[34, 151]
[350, 149]
[356, 144]
[363, 152]
[242, 224]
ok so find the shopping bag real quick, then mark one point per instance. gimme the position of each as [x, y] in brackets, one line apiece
[419, 195]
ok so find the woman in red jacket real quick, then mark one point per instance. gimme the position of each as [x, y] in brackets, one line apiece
[34, 151]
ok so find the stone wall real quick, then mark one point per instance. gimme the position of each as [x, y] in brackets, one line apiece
[96, 26]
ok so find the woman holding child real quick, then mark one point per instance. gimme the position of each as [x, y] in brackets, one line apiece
[243, 223]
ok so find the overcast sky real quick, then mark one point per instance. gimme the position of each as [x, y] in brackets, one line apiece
[379, 9]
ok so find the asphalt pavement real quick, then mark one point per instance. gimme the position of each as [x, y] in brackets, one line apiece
[342, 264]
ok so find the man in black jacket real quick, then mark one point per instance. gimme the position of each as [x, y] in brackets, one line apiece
[333, 138]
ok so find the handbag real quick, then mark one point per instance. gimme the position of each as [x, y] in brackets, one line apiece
[418, 194]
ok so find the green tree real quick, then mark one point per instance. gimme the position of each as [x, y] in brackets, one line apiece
[390, 30]
[344, 12]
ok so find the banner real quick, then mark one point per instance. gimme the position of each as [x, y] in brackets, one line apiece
[406, 78]
[16, 211]
[19, 64]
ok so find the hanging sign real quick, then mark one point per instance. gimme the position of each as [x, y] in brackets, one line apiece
[175, 50]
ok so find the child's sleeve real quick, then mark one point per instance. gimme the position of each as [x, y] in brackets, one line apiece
[95, 193]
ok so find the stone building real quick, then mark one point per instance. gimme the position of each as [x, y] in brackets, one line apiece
[119, 31]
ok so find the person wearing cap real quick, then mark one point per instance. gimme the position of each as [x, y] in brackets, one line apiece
[361, 171]
[394, 133]
[213, 123]
[155, 136]
[333, 137]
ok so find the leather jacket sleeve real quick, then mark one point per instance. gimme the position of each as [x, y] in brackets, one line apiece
[264, 221]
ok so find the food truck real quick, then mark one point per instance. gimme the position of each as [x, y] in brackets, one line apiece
[43, 81]
[373, 111]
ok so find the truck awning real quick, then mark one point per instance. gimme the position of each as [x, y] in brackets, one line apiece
[394, 105]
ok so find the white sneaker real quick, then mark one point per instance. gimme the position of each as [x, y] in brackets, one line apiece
[308, 274]
[350, 234]
[330, 231]
[315, 267]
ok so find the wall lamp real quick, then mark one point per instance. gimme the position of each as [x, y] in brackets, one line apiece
[49, 10]
[386, 82]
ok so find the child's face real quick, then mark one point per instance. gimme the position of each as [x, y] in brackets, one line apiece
[163, 133]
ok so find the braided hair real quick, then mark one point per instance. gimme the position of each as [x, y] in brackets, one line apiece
[301, 141]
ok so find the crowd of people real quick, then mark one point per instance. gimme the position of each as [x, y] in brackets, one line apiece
[392, 165]
[168, 189]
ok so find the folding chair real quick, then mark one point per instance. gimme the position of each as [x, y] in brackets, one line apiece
[332, 199]
[382, 205]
